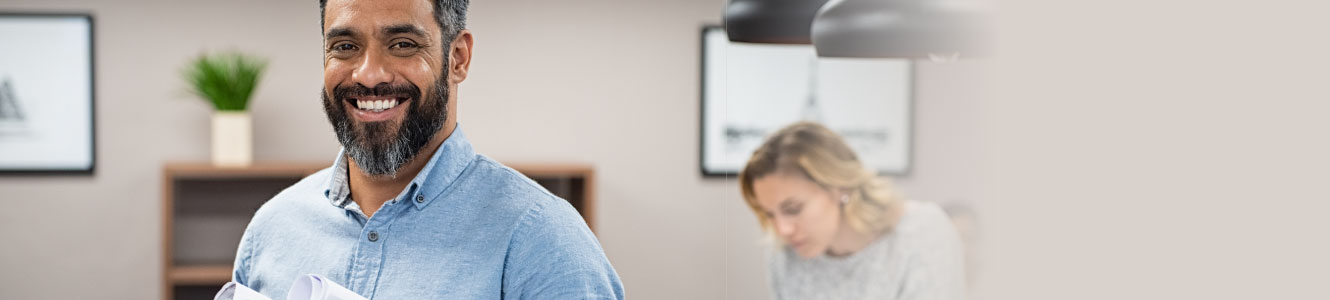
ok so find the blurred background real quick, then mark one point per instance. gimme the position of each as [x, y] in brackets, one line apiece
[610, 84]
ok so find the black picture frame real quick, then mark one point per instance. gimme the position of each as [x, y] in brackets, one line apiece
[90, 168]
[910, 85]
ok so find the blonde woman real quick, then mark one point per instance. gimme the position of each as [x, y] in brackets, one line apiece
[844, 234]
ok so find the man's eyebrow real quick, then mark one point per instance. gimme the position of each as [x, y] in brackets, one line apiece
[403, 28]
[340, 32]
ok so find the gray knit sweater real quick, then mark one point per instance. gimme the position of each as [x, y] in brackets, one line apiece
[921, 259]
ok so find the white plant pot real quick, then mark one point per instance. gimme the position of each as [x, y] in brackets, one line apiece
[232, 139]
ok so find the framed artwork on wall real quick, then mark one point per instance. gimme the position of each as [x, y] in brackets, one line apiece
[46, 93]
[751, 90]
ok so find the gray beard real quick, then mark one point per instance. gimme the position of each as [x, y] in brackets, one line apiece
[384, 158]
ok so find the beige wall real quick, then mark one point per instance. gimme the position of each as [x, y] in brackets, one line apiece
[613, 83]
[1146, 149]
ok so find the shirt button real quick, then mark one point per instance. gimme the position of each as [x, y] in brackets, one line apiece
[420, 199]
[373, 236]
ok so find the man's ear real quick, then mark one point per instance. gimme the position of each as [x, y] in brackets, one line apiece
[459, 56]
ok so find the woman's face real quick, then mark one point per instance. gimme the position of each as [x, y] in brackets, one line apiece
[804, 215]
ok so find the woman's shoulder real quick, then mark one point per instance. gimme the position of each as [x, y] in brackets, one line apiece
[921, 216]
[926, 224]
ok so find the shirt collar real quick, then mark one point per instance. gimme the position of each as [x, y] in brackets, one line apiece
[444, 168]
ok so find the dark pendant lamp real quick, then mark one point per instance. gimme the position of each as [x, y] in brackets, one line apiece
[771, 21]
[914, 29]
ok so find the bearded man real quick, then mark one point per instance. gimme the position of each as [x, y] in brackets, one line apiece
[408, 210]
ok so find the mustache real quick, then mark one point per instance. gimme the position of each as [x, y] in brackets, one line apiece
[341, 92]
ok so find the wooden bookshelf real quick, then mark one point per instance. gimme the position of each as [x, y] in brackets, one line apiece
[200, 274]
[205, 209]
[202, 209]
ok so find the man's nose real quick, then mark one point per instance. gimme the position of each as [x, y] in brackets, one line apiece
[373, 70]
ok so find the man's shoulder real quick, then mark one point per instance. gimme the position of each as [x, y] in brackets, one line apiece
[299, 197]
[505, 182]
[507, 188]
[312, 185]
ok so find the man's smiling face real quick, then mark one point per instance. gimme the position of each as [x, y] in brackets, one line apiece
[385, 88]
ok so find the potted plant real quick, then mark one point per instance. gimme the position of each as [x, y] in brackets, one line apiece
[227, 80]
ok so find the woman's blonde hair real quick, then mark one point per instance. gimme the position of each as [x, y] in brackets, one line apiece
[818, 154]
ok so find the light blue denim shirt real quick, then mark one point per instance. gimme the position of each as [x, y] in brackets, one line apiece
[466, 227]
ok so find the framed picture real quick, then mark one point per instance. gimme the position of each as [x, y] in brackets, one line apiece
[752, 90]
[46, 93]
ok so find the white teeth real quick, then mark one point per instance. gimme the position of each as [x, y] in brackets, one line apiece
[376, 105]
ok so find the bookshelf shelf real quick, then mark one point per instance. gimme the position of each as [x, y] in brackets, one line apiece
[200, 274]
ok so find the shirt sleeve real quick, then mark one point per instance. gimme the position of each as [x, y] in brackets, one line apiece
[553, 255]
[240, 269]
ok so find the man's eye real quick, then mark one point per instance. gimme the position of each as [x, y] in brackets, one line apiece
[793, 210]
[403, 45]
[344, 47]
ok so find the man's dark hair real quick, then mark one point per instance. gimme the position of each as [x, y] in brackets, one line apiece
[450, 14]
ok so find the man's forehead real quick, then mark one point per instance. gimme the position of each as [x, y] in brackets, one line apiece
[372, 14]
